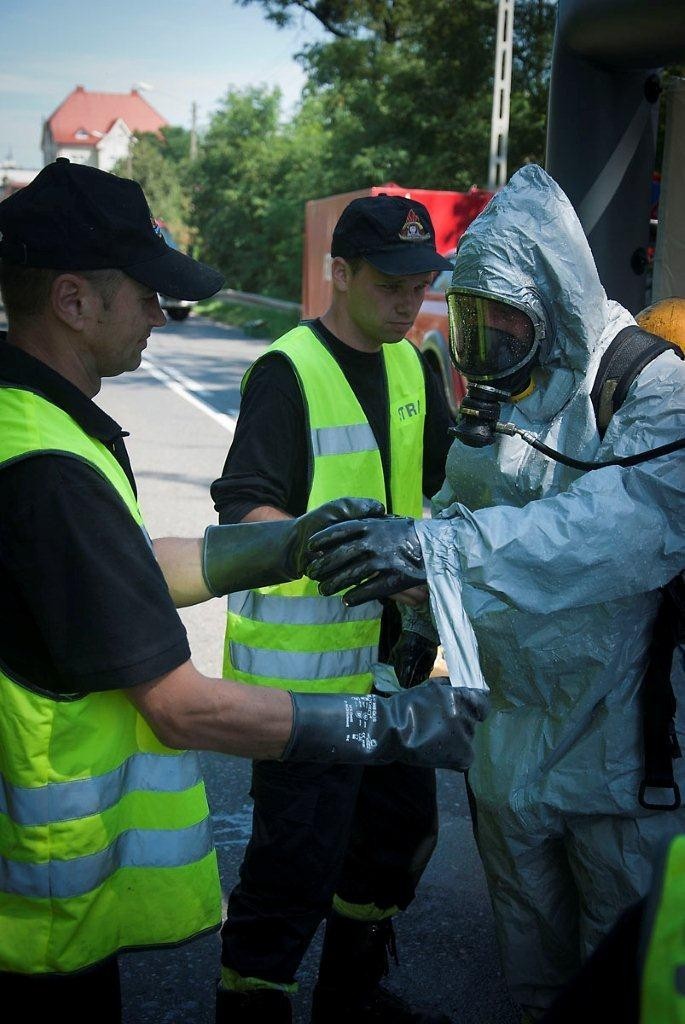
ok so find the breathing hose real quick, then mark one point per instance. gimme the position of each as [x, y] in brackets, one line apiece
[629, 460]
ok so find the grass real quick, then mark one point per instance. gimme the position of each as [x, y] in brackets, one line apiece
[256, 321]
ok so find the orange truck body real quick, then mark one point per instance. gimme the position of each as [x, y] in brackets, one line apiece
[451, 213]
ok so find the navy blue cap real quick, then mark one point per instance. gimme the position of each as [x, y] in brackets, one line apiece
[76, 217]
[392, 233]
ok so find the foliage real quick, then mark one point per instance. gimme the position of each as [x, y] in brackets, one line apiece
[417, 111]
[388, 20]
[161, 168]
[234, 177]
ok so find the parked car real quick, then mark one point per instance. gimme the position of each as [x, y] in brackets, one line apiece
[430, 334]
[175, 309]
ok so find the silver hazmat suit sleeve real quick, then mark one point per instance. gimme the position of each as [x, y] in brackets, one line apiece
[459, 644]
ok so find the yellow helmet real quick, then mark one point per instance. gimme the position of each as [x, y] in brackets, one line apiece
[665, 318]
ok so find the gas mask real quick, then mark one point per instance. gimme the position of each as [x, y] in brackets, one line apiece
[495, 345]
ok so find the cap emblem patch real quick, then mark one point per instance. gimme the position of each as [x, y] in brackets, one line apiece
[413, 230]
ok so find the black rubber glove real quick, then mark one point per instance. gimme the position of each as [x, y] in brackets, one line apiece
[413, 657]
[384, 553]
[430, 725]
[243, 556]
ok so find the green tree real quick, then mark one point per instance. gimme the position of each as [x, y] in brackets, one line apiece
[162, 176]
[534, 23]
[302, 171]
[387, 20]
[251, 181]
[234, 177]
[417, 110]
[174, 144]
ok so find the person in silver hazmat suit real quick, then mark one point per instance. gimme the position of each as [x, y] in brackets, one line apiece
[558, 571]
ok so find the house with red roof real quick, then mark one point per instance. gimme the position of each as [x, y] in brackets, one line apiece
[96, 127]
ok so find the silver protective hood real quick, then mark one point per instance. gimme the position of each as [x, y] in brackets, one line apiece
[528, 247]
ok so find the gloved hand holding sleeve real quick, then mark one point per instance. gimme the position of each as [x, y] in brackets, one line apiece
[376, 557]
[243, 556]
[430, 725]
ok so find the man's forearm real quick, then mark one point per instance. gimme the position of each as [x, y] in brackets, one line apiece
[180, 559]
[432, 724]
[265, 514]
[187, 710]
[267, 548]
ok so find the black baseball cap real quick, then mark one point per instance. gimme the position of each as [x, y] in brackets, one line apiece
[392, 233]
[76, 217]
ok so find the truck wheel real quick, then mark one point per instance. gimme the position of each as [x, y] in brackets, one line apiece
[178, 314]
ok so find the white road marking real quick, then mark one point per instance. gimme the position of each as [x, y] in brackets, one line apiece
[188, 389]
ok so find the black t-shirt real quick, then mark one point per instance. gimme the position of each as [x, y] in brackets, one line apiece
[83, 603]
[268, 461]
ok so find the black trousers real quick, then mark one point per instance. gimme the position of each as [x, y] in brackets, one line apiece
[607, 987]
[90, 995]
[365, 834]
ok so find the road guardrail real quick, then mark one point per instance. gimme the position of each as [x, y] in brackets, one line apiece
[252, 299]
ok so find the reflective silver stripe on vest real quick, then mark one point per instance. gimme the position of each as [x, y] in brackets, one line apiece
[258, 661]
[299, 611]
[137, 848]
[358, 437]
[63, 801]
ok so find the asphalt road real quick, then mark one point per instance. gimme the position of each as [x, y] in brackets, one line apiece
[180, 408]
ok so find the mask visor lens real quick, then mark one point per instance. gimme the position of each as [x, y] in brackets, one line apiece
[488, 339]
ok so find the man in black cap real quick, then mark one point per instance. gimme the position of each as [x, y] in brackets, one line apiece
[343, 404]
[105, 841]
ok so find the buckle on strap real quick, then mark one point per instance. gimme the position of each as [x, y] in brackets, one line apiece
[649, 806]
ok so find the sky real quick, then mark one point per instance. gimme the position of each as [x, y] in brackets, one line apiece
[186, 50]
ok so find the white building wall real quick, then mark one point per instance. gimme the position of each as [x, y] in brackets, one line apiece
[78, 154]
[113, 146]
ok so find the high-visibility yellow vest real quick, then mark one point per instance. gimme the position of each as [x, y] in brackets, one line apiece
[105, 839]
[288, 636]
[662, 996]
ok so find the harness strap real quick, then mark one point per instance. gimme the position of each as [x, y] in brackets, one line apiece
[625, 358]
[658, 700]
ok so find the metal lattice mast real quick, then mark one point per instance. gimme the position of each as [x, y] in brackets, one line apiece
[501, 94]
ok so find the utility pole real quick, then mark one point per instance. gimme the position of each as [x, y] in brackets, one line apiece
[193, 131]
[501, 94]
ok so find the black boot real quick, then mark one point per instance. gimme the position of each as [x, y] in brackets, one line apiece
[261, 1006]
[353, 961]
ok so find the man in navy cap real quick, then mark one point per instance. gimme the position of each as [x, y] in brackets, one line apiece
[105, 841]
[343, 404]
